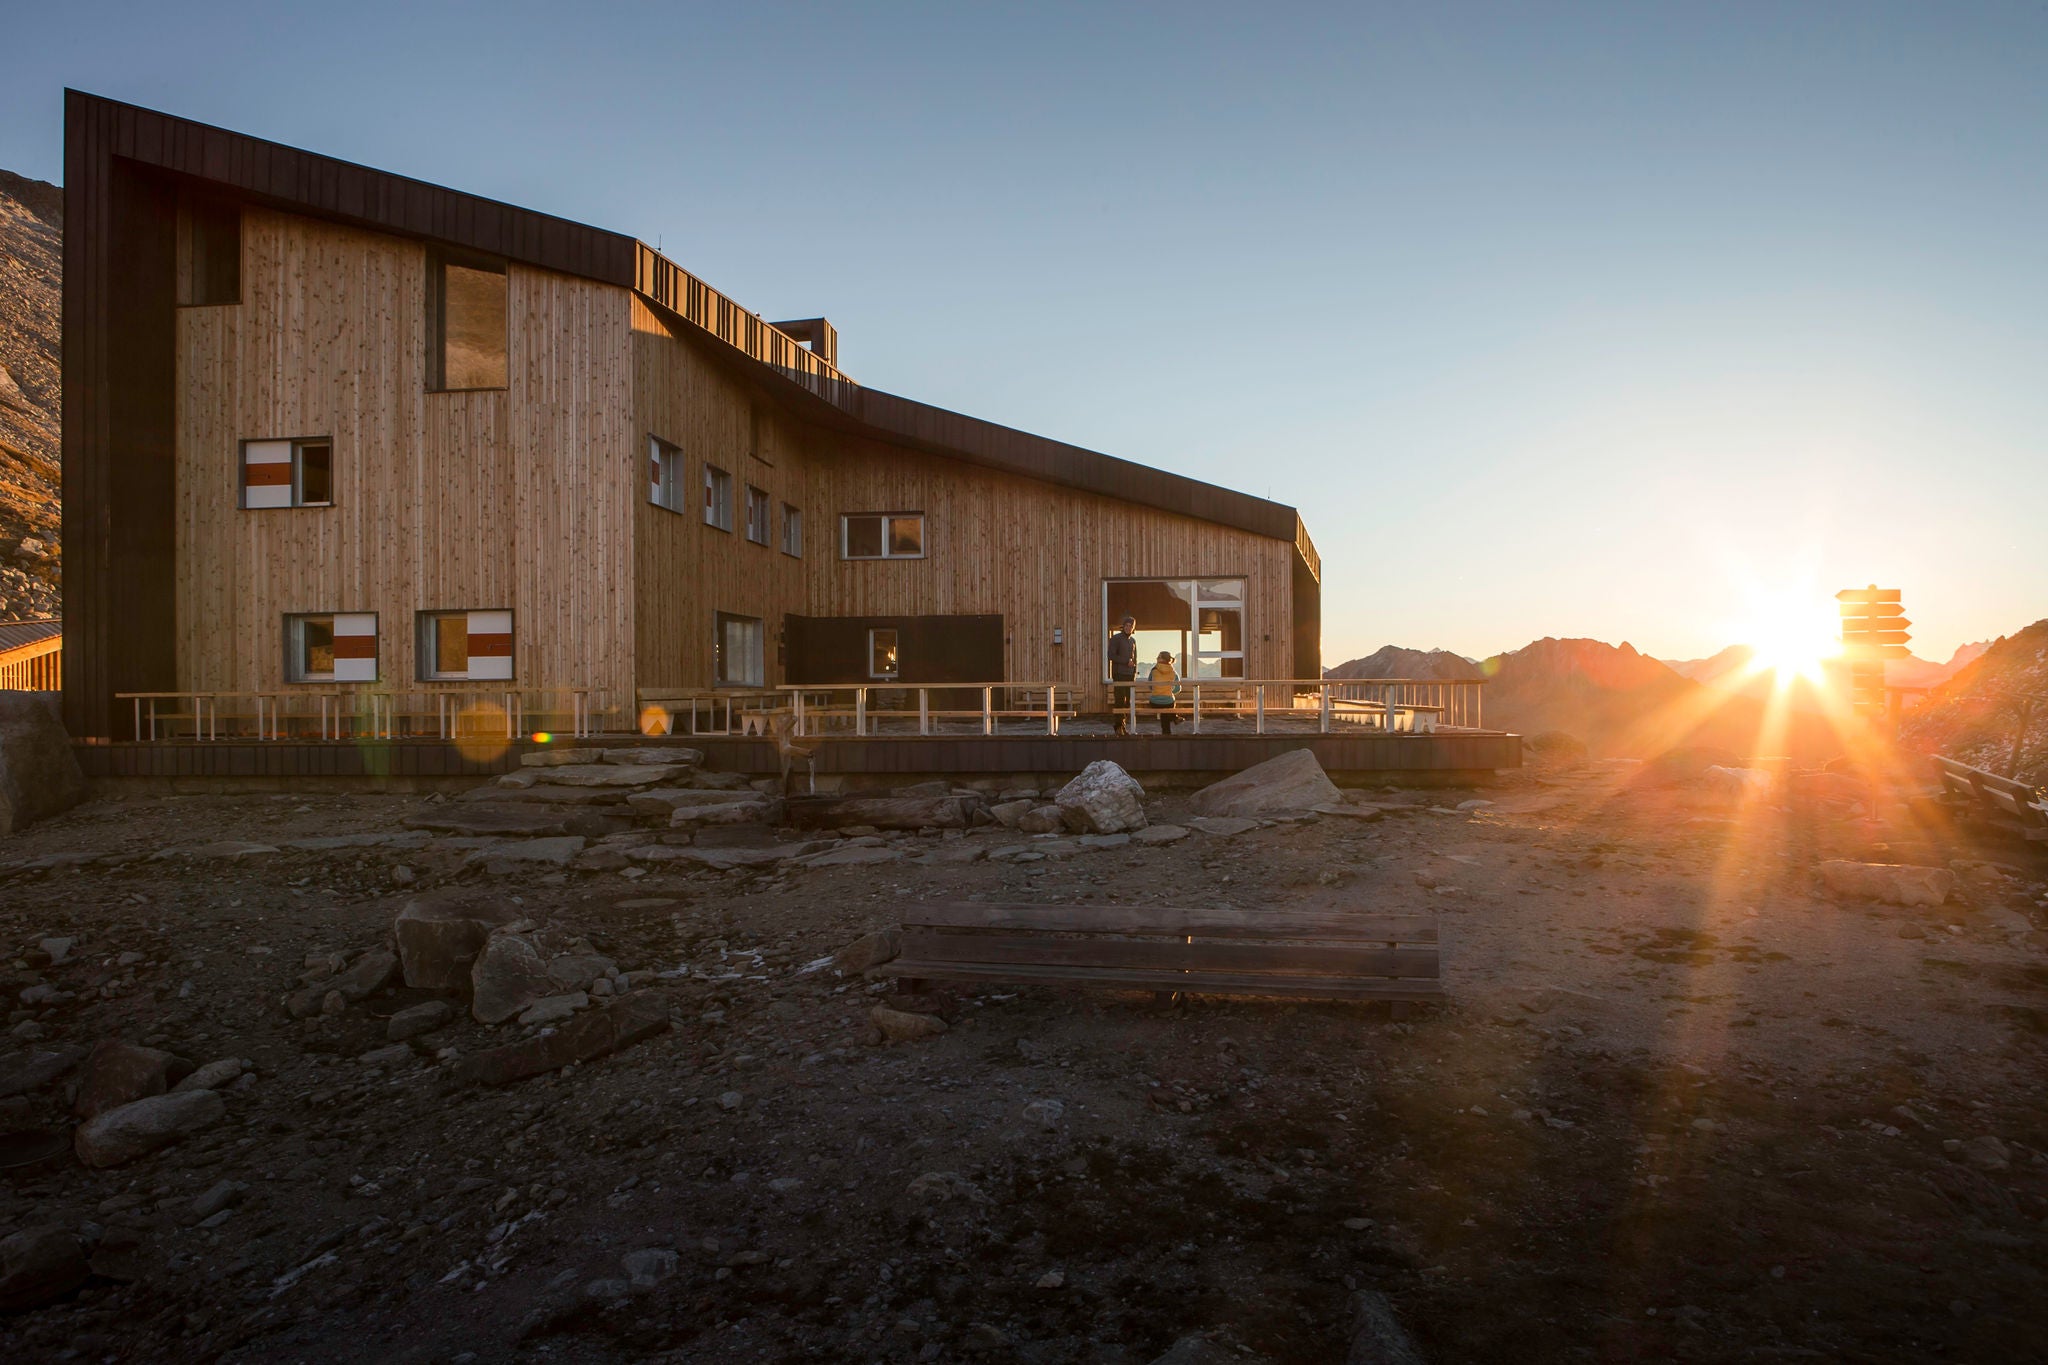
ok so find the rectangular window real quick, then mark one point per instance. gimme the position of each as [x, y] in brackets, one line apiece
[738, 647]
[882, 535]
[792, 530]
[1200, 621]
[339, 646]
[717, 498]
[882, 654]
[465, 644]
[209, 249]
[665, 474]
[758, 506]
[466, 304]
[288, 473]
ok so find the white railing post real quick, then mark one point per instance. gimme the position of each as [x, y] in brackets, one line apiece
[1259, 726]
[924, 711]
[988, 709]
[1195, 689]
[1323, 709]
[860, 711]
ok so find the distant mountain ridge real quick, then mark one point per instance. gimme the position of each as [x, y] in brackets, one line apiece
[1975, 715]
[1392, 661]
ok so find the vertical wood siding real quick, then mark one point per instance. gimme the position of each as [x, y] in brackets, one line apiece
[441, 500]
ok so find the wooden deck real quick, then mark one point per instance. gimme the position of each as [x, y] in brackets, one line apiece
[1355, 758]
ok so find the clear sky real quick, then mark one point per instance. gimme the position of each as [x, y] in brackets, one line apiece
[1586, 320]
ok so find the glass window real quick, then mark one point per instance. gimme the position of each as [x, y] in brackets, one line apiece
[465, 644]
[664, 473]
[717, 498]
[325, 646]
[882, 535]
[758, 506]
[738, 647]
[451, 645]
[466, 305]
[882, 654]
[312, 648]
[288, 473]
[792, 531]
[1199, 621]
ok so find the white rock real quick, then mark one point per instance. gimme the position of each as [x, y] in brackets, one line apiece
[1294, 781]
[1104, 799]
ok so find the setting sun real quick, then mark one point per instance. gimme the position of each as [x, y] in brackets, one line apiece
[1792, 635]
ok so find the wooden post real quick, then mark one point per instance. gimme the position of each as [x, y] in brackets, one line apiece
[1323, 710]
[1260, 727]
[924, 711]
[860, 711]
[1195, 689]
[988, 706]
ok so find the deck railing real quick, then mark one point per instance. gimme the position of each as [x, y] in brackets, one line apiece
[337, 713]
[363, 712]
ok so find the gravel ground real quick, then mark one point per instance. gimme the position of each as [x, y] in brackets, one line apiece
[1677, 1105]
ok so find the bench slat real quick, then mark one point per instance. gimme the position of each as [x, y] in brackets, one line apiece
[1167, 921]
[1210, 983]
[1167, 954]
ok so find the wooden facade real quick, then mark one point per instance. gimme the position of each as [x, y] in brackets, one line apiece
[534, 498]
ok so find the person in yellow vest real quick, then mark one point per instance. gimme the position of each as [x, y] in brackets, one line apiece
[1165, 687]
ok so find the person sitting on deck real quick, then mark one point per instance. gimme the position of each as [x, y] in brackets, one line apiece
[1165, 687]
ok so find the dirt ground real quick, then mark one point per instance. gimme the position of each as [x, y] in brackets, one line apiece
[1678, 1105]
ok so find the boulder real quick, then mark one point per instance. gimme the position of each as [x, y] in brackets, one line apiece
[1008, 813]
[1736, 783]
[1160, 834]
[440, 934]
[575, 971]
[39, 775]
[553, 1009]
[506, 854]
[22, 1072]
[1104, 799]
[212, 1076]
[1896, 883]
[869, 950]
[879, 812]
[589, 1035]
[39, 1265]
[118, 1073]
[478, 818]
[1290, 783]
[509, 975]
[663, 800]
[900, 1026]
[414, 1020]
[122, 1134]
[535, 794]
[367, 975]
[747, 811]
[557, 758]
[1045, 819]
[612, 774]
[642, 755]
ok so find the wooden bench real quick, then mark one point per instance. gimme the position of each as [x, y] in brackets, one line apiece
[2013, 806]
[1174, 950]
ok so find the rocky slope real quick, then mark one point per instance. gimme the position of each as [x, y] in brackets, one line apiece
[1975, 716]
[31, 295]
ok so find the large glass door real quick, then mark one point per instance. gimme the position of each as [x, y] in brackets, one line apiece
[1199, 621]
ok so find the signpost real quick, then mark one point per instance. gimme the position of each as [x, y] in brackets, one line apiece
[1873, 630]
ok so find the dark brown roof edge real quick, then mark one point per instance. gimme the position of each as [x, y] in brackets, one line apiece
[286, 177]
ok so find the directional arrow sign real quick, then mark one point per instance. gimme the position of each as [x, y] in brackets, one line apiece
[1872, 609]
[1857, 649]
[1883, 625]
[1869, 594]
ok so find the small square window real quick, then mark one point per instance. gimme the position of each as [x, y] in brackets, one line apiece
[882, 662]
[882, 535]
[465, 644]
[338, 646]
[664, 473]
[288, 473]
[717, 498]
[792, 531]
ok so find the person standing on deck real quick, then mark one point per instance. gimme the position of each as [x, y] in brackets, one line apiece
[1123, 668]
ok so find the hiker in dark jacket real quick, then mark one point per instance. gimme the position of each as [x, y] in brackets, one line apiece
[1123, 669]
